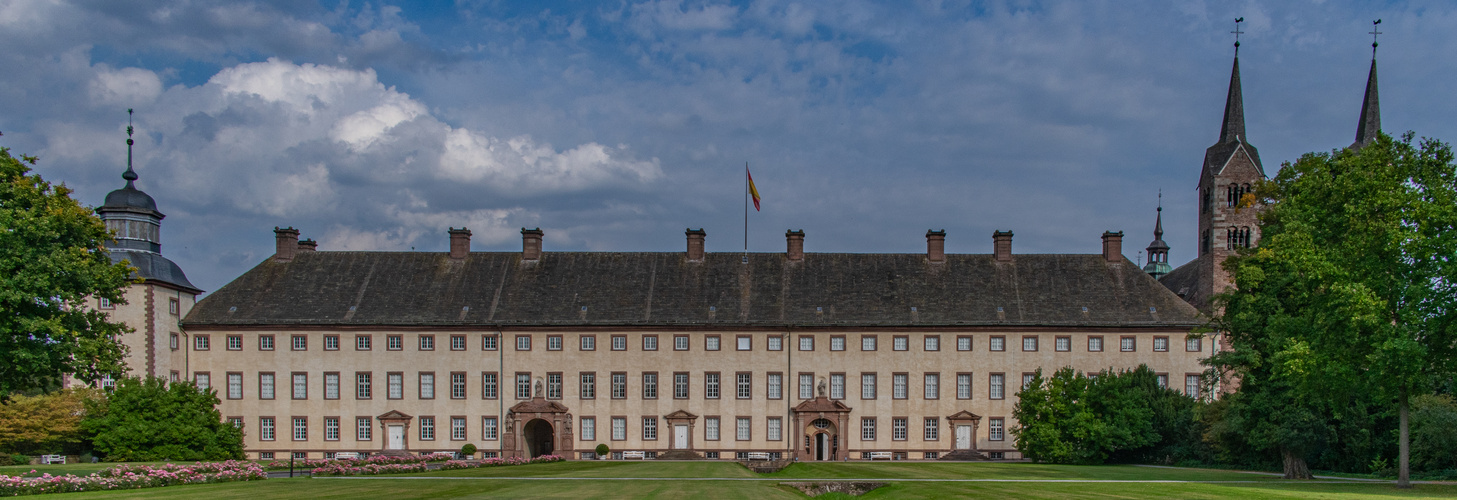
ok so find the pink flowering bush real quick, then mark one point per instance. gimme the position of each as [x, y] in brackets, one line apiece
[495, 462]
[344, 468]
[123, 477]
[373, 460]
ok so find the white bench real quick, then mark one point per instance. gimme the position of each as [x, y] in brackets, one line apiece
[346, 455]
[52, 459]
[758, 455]
[880, 455]
[640, 455]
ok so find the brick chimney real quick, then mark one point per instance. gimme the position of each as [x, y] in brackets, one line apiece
[460, 243]
[796, 245]
[936, 246]
[287, 244]
[530, 244]
[1113, 246]
[695, 244]
[307, 246]
[1002, 245]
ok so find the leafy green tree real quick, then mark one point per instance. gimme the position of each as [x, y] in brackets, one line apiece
[1120, 416]
[51, 261]
[149, 419]
[47, 423]
[1434, 432]
[1352, 292]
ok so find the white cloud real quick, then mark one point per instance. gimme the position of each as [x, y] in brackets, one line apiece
[125, 86]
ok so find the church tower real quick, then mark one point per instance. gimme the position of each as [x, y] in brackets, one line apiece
[1370, 125]
[1158, 251]
[155, 306]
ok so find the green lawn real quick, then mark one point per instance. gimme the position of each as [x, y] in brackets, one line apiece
[485, 483]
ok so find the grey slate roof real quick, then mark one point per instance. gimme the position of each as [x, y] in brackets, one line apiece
[154, 267]
[1186, 281]
[664, 289]
[1232, 131]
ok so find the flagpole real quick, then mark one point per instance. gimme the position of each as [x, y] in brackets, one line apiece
[746, 210]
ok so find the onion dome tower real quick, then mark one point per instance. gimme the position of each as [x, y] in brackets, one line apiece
[133, 216]
[1158, 251]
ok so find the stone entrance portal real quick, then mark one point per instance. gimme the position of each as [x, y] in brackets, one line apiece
[821, 420]
[537, 436]
[963, 427]
[395, 426]
[681, 423]
[537, 427]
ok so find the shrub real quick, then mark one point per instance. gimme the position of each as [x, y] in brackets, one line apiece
[469, 450]
[150, 419]
[602, 450]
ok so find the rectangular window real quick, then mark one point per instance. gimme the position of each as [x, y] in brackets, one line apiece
[1027, 380]
[619, 342]
[996, 386]
[932, 430]
[1193, 344]
[898, 427]
[1161, 344]
[806, 385]
[587, 342]
[174, 307]
[680, 385]
[457, 428]
[650, 385]
[711, 342]
[963, 386]
[553, 342]
[235, 342]
[998, 343]
[395, 383]
[265, 428]
[1163, 380]
[427, 428]
[963, 343]
[331, 342]
[300, 386]
[1191, 386]
[746, 343]
[361, 343]
[773, 429]
[105, 303]
[363, 429]
[806, 343]
[199, 342]
[619, 428]
[457, 342]
[710, 385]
[741, 429]
[837, 386]
[1127, 344]
[867, 386]
[300, 428]
[457, 385]
[331, 385]
[867, 342]
[680, 342]
[745, 386]
[710, 429]
[619, 385]
[173, 341]
[1095, 343]
[427, 342]
[867, 428]
[489, 387]
[933, 386]
[235, 386]
[523, 342]
[776, 385]
[363, 387]
[900, 343]
[589, 429]
[1029, 343]
[995, 430]
[490, 342]
[331, 428]
[650, 428]
[776, 342]
[932, 343]
[394, 342]
[523, 386]
[589, 385]
[265, 385]
[203, 380]
[491, 433]
[899, 386]
[300, 342]
[649, 342]
[837, 342]
[427, 385]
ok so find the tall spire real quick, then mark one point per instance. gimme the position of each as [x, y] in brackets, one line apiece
[130, 175]
[1158, 251]
[1370, 125]
[1234, 105]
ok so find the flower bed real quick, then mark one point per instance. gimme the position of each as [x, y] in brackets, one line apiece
[497, 462]
[125, 477]
[373, 460]
[358, 468]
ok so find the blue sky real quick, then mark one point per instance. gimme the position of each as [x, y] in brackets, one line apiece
[615, 125]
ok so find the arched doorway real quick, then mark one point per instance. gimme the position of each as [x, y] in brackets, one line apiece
[538, 435]
[824, 443]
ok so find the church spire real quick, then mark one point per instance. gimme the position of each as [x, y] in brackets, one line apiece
[1370, 125]
[1234, 104]
[1158, 251]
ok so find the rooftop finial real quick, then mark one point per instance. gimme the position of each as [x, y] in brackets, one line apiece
[130, 175]
[1374, 34]
[1237, 33]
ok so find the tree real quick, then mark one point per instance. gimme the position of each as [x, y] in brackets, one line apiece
[43, 424]
[51, 261]
[1121, 416]
[1352, 292]
[149, 419]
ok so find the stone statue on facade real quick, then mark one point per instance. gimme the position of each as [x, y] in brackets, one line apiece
[537, 391]
[821, 387]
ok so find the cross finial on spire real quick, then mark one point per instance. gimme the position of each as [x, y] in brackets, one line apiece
[130, 175]
[1237, 33]
[1374, 34]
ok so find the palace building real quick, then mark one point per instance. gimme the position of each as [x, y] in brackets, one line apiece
[692, 354]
